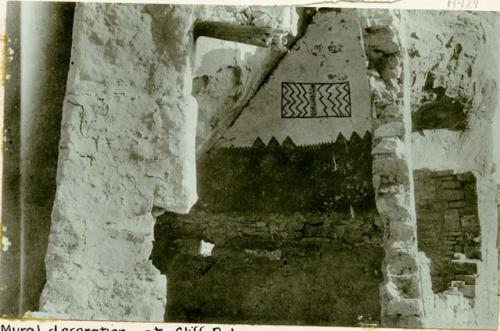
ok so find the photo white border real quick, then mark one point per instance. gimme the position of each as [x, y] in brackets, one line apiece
[34, 324]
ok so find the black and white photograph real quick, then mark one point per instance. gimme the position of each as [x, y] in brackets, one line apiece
[251, 165]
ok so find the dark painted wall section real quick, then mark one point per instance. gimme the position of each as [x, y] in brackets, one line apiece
[296, 235]
[327, 177]
[33, 132]
[448, 223]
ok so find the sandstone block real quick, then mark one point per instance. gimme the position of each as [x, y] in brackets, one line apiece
[469, 291]
[404, 307]
[382, 40]
[443, 173]
[402, 230]
[467, 279]
[408, 285]
[457, 204]
[394, 206]
[472, 252]
[389, 145]
[453, 195]
[467, 177]
[400, 258]
[451, 220]
[392, 111]
[464, 267]
[451, 184]
[390, 170]
[391, 129]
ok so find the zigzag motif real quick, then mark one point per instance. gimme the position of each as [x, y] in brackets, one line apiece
[322, 97]
[288, 142]
[340, 99]
[333, 98]
[307, 97]
[315, 100]
[347, 98]
[287, 101]
[301, 94]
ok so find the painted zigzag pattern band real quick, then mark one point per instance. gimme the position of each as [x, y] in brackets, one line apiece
[315, 100]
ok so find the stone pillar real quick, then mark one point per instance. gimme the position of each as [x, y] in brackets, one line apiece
[127, 150]
[400, 292]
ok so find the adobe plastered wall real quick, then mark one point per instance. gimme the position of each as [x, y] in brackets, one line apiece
[127, 146]
[127, 153]
[459, 63]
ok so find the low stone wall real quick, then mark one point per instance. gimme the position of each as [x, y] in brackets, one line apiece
[271, 268]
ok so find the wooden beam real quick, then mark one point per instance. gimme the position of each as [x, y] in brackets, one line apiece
[246, 34]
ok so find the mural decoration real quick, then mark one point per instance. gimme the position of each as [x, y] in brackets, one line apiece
[315, 100]
[317, 91]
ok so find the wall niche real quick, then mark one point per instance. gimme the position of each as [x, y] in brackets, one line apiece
[448, 227]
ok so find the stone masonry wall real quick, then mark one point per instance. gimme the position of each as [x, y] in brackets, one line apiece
[448, 227]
